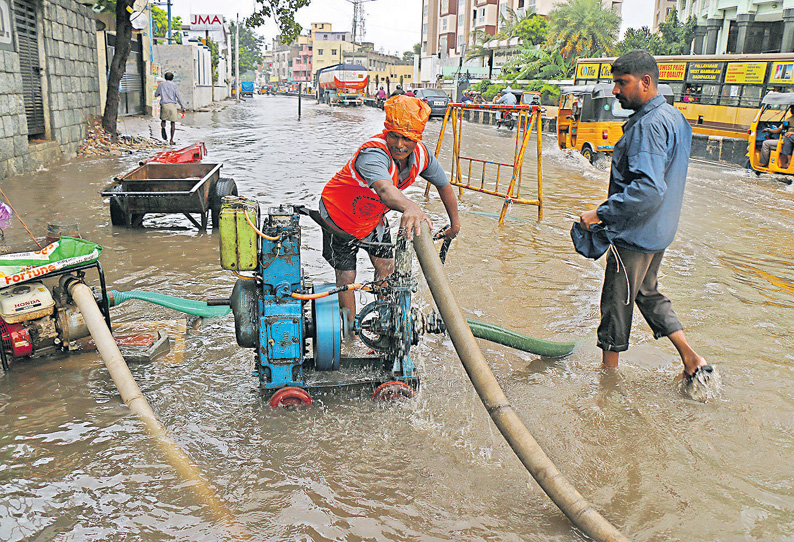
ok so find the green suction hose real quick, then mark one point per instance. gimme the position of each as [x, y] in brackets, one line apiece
[506, 337]
[188, 306]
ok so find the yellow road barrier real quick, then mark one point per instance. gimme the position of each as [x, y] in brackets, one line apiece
[528, 119]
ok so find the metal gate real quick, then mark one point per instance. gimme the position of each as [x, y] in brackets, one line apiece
[30, 68]
[131, 97]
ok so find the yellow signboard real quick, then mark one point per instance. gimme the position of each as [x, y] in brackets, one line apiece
[782, 72]
[587, 71]
[606, 71]
[672, 71]
[745, 72]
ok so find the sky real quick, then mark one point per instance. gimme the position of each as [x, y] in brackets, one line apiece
[393, 25]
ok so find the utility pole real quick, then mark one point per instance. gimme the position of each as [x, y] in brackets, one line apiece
[358, 19]
[237, 59]
[168, 3]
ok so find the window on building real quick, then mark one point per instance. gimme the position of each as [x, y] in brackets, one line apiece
[521, 4]
[319, 51]
[460, 20]
[424, 9]
[444, 24]
[333, 52]
[424, 29]
[424, 45]
[444, 6]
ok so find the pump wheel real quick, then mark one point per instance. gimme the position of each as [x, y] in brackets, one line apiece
[393, 391]
[587, 152]
[290, 396]
[224, 187]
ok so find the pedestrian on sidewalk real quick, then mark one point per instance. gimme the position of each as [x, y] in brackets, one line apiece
[169, 97]
[646, 192]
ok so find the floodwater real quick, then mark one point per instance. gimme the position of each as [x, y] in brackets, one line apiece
[76, 465]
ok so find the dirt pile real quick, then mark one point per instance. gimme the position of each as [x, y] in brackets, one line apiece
[100, 143]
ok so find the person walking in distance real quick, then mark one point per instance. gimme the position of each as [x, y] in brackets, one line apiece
[169, 98]
[641, 213]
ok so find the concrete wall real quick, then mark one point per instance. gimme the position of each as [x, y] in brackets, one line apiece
[72, 82]
[70, 89]
[190, 65]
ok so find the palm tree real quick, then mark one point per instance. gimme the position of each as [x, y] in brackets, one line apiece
[478, 49]
[539, 62]
[583, 27]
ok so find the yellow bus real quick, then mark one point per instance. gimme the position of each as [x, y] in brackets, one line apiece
[718, 94]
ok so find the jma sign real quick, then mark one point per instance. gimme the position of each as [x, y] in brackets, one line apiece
[206, 22]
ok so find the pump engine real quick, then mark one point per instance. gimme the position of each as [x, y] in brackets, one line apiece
[295, 326]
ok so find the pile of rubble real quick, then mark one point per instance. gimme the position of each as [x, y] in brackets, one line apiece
[100, 143]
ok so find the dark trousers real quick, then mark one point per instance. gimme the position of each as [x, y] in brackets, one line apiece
[629, 280]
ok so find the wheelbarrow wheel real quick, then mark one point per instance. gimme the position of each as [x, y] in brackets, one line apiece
[393, 391]
[290, 396]
[224, 187]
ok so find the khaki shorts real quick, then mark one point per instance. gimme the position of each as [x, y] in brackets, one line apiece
[169, 112]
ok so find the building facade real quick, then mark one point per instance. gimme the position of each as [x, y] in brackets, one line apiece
[382, 70]
[328, 47]
[449, 27]
[740, 26]
[661, 9]
[49, 80]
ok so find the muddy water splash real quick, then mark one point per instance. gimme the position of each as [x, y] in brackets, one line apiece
[75, 465]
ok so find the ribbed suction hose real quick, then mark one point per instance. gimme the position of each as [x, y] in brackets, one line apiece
[134, 399]
[556, 486]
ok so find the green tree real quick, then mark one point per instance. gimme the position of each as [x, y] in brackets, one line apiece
[676, 37]
[539, 62]
[478, 49]
[408, 56]
[284, 12]
[532, 30]
[417, 48]
[214, 55]
[160, 25]
[250, 48]
[640, 38]
[583, 27]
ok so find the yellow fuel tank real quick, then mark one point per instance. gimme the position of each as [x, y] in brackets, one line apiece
[239, 242]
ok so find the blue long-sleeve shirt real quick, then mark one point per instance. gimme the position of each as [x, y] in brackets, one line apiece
[646, 185]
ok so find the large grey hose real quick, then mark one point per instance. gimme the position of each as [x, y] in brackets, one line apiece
[134, 399]
[556, 486]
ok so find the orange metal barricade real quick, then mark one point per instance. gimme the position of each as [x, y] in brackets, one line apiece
[528, 118]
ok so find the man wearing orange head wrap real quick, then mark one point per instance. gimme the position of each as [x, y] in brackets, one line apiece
[370, 184]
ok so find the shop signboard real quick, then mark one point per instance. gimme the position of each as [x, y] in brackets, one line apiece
[705, 72]
[782, 72]
[745, 73]
[672, 71]
[587, 71]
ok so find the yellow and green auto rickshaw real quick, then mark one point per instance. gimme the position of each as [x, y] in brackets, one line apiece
[590, 119]
[770, 128]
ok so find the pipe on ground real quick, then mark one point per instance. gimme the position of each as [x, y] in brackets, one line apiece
[519, 341]
[526, 448]
[134, 399]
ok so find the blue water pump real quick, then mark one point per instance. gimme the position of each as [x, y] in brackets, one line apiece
[296, 327]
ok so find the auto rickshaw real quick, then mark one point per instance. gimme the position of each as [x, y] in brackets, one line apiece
[590, 119]
[776, 112]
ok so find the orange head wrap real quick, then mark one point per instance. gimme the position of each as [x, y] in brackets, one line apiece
[406, 116]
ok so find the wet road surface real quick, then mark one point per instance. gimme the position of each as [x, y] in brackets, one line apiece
[76, 465]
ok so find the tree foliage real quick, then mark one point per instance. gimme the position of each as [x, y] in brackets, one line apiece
[539, 62]
[676, 36]
[284, 13]
[583, 28]
[160, 25]
[250, 48]
[532, 30]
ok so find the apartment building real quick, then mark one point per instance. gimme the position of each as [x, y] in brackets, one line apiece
[661, 9]
[448, 27]
[328, 47]
[740, 26]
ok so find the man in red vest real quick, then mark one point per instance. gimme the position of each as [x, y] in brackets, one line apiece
[370, 184]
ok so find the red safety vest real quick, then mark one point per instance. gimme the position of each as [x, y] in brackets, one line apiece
[352, 204]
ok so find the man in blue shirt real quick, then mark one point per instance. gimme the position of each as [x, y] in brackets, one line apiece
[646, 190]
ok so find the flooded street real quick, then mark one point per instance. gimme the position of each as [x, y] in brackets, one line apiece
[75, 464]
